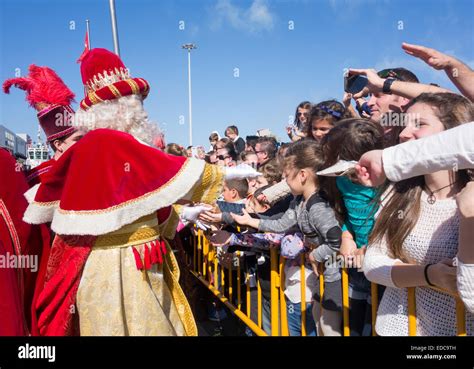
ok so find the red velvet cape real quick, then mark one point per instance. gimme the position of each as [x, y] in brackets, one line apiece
[17, 285]
[105, 181]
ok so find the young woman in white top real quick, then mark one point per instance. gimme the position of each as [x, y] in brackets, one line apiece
[415, 237]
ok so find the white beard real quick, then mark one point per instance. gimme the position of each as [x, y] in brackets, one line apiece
[125, 114]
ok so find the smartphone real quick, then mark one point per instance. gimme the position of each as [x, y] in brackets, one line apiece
[354, 84]
[194, 152]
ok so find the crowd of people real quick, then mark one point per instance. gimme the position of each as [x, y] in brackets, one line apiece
[379, 183]
[397, 234]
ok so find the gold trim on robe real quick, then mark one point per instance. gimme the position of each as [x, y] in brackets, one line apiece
[114, 299]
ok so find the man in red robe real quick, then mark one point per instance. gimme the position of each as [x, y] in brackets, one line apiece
[109, 199]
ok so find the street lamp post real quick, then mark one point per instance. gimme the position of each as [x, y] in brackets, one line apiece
[114, 27]
[189, 47]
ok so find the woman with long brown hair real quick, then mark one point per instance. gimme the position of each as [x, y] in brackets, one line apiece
[415, 237]
[297, 130]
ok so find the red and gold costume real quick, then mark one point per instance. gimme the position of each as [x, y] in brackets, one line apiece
[18, 240]
[111, 270]
[47, 93]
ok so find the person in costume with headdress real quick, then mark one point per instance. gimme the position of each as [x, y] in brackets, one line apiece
[47, 93]
[109, 199]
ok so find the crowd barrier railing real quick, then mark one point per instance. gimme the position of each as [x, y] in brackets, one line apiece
[206, 268]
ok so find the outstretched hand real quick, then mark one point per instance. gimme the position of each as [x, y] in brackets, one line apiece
[443, 275]
[370, 170]
[346, 99]
[244, 219]
[432, 57]
[210, 217]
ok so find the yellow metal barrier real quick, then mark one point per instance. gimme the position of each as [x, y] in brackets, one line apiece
[215, 268]
[375, 301]
[345, 302]
[237, 312]
[222, 284]
[321, 290]
[206, 267]
[274, 284]
[199, 246]
[460, 312]
[259, 304]
[303, 295]
[460, 317]
[230, 284]
[239, 302]
[248, 296]
[411, 311]
[205, 253]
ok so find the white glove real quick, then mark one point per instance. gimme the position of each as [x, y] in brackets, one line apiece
[241, 171]
[191, 213]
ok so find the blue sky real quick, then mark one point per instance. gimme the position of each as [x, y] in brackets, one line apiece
[278, 67]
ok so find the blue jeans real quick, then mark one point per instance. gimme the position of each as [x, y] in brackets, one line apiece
[293, 313]
[266, 316]
[266, 319]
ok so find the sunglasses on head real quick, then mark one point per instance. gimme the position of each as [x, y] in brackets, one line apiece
[389, 73]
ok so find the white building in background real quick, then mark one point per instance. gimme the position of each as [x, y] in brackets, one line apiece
[23, 148]
[20, 147]
[25, 137]
[7, 139]
[13, 143]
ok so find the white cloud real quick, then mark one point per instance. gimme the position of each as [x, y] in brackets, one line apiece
[255, 18]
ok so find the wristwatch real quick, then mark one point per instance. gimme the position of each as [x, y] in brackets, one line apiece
[387, 86]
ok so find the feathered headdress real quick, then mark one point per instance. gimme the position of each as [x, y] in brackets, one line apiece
[48, 94]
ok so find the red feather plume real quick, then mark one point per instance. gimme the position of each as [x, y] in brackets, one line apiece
[42, 85]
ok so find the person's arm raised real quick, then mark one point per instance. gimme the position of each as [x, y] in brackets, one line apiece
[451, 149]
[346, 101]
[246, 219]
[459, 73]
[409, 90]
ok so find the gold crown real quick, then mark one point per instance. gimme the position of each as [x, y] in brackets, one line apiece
[107, 78]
